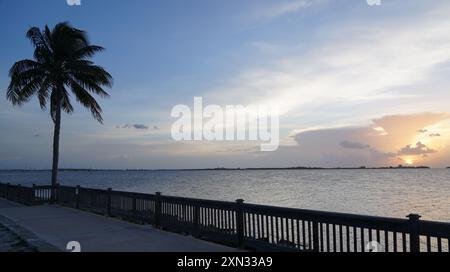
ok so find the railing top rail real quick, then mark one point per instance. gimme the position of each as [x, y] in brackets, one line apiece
[133, 194]
[94, 190]
[198, 201]
[67, 187]
[434, 228]
[43, 187]
[319, 214]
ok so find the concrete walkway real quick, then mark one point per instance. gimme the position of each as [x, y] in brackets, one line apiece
[59, 225]
[9, 242]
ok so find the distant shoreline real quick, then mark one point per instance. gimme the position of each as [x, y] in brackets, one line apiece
[227, 169]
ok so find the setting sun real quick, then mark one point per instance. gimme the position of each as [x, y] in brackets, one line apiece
[409, 161]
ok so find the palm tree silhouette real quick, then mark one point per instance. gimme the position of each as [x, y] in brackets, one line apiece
[61, 63]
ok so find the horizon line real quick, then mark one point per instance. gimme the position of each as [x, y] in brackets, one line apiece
[236, 168]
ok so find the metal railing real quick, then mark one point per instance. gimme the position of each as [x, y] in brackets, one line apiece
[251, 226]
[25, 195]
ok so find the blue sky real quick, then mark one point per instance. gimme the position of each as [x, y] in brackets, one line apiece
[340, 69]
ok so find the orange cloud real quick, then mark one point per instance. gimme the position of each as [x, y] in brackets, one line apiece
[389, 140]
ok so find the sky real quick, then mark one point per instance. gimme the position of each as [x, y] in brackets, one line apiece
[357, 84]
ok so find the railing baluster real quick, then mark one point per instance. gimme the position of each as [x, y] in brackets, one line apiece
[277, 227]
[287, 231]
[158, 210]
[386, 241]
[303, 234]
[321, 237]
[253, 233]
[258, 216]
[394, 236]
[247, 224]
[19, 189]
[315, 236]
[310, 242]
[404, 242]
[196, 220]
[334, 238]
[7, 191]
[328, 237]
[363, 244]
[108, 202]
[272, 234]
[240, 222]
[348, 237]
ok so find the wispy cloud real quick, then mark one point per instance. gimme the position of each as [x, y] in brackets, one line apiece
[360, 61]
[435, 135]
[281, 8]
[135, 126]
[419, 149]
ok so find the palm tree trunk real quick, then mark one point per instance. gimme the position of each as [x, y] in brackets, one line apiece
[56, 149]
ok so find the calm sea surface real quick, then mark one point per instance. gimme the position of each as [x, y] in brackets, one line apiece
[395, 192]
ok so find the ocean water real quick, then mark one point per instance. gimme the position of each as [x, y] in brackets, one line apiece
[390, 192]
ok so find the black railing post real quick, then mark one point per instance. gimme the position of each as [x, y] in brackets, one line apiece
[57, 196]
[6, 190]
[134, 207]
[196, 220]
[77, 197]
[240, 222]
[315, 236]
[3, 189]
[33, 195]
[414, 236]
[108, 202]
[19, 189]
[52, 194]
[158, 210]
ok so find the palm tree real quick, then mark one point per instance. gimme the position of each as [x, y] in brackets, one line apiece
[61, 63]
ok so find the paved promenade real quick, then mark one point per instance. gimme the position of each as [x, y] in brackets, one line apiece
[57, 226]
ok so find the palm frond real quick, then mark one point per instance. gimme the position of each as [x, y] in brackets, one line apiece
[91, 72]
[43, 93]
[83, 96]
[22, 66]
[87, 52]
[90, 85]
[42, 50]
[26, 77]
[19, 94]
[35, 36]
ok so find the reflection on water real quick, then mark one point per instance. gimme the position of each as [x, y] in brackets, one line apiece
[393, 192]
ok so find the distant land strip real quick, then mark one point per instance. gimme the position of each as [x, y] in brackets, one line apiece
[231, 169]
